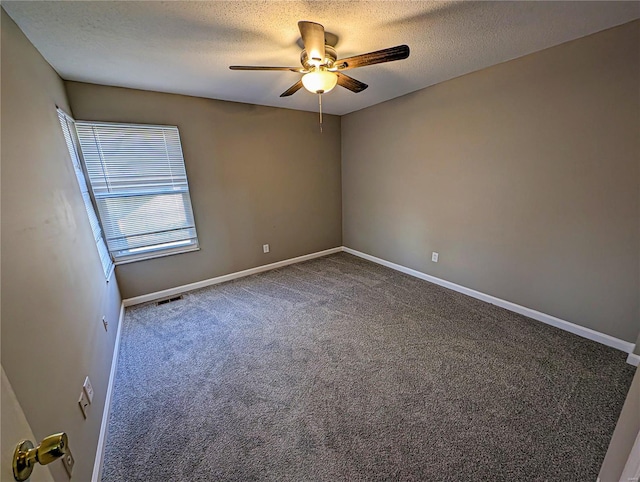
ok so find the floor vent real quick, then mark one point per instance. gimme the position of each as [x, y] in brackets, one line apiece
[169, 300]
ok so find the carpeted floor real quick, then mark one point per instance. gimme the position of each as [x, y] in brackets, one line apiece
[339, 369]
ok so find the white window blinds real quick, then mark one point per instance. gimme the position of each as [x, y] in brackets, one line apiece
[139, 183]
[67, 123]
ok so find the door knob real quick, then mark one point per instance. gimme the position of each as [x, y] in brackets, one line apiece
[26, 456]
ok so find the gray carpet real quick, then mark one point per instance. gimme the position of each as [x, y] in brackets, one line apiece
[339, 369]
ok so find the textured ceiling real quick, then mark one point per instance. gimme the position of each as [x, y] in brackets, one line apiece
[186, 47]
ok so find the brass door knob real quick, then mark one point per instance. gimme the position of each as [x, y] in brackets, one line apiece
[26, 456]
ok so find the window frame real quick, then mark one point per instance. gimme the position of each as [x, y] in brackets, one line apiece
[151, 252]
[108, 272]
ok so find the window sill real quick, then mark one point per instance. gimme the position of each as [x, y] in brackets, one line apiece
[157, 254]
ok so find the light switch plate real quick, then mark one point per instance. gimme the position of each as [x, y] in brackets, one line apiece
[83, 401]
[68, 461]
[88, 389]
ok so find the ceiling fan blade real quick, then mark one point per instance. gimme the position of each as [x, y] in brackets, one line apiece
[379, 56]
[292, 90]
[257, 67]
[350, 83]
[313, 39]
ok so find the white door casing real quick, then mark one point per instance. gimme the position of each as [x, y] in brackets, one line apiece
[631, 471]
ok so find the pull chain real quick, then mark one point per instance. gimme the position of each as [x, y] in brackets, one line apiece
[320, 108]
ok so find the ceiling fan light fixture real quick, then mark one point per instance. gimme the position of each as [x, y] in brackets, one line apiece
[319, 81]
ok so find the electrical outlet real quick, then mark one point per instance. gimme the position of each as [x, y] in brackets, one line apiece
[88, 389]
[265, 248]
[105, 323]
[434, 257]
[83, 401]
[68, 461]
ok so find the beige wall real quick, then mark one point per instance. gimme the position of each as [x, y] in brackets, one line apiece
[523, 176]
[54, 293]
[257, 175]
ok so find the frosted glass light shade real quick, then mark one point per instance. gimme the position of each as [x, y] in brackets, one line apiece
[319, 81]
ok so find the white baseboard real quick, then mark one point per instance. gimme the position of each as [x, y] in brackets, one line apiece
[102, 439]
[633, 359]
[582, 331]
[227, 277]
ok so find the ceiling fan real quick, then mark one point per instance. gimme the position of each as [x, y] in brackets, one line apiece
[320, 64]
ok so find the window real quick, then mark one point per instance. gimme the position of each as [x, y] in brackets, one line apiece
[67, 125]
[139, 184]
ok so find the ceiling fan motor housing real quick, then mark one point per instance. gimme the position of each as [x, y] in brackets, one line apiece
[330, 57]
